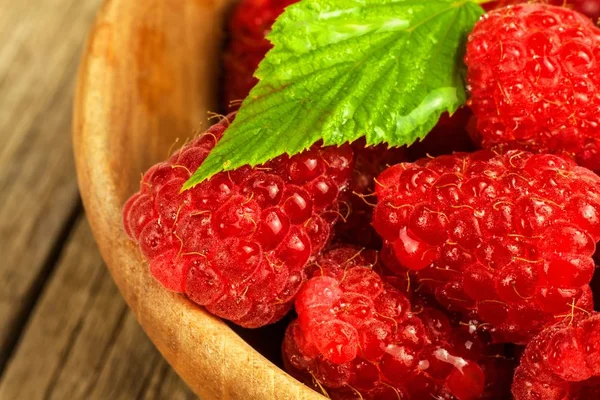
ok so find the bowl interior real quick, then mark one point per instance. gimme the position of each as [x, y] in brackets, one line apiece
[146, 82]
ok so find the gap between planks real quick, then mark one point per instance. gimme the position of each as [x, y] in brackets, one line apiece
[40, 45]
[82, 342]
[22, 315]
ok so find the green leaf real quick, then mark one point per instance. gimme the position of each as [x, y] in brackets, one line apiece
[342, 69]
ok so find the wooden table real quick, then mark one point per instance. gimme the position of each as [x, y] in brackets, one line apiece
[65, 332]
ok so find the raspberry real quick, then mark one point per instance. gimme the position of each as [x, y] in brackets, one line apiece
[355, 227]
[238, 242]
[449, 135]
[503, 239]
[533, 75]
[357, 337]
[248, 26]
[590, 8]
[562, 361]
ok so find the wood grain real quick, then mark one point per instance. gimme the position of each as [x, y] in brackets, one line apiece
[83, 342]
[126, 374]
[148, 76]
[80, 323]
[39, 53]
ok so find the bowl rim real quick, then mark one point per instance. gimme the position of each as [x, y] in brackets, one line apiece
[222, 365]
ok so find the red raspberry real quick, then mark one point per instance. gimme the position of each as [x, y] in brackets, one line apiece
[449, 135]
[355, 226]
[238, 242]
[562, 362]
[590, 8]
[504, 239]
[247, 46]
[357, 337]
[533, 74]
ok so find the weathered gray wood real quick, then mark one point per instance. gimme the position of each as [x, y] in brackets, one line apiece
[40, 43]
[57, 320]
[80, 329]
[131, 364]
[82, 341]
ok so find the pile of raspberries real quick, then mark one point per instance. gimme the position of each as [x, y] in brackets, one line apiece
[457, 268]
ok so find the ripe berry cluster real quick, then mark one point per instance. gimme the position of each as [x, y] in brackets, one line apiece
[249, 24]
[562, 362]
[358, 336]
[238, 242]
[476, 229]
[533, 78]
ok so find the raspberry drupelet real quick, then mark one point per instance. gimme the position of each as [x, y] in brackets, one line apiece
[357, 337]
[238, 242]
[562, 362]
[533, 76]
[505, 239]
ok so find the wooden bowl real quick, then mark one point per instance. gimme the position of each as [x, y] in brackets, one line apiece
[148, 76]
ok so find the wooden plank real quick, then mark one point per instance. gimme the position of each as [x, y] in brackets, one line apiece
[135, 369]
[129, 365]
[82, 341]
[81, 328]
[39, 53]
[57, 319]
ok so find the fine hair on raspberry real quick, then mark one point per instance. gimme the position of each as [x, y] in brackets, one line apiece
[533, 77]
[562, 361]
[238, 242]
[505, 239]
[358, 335]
